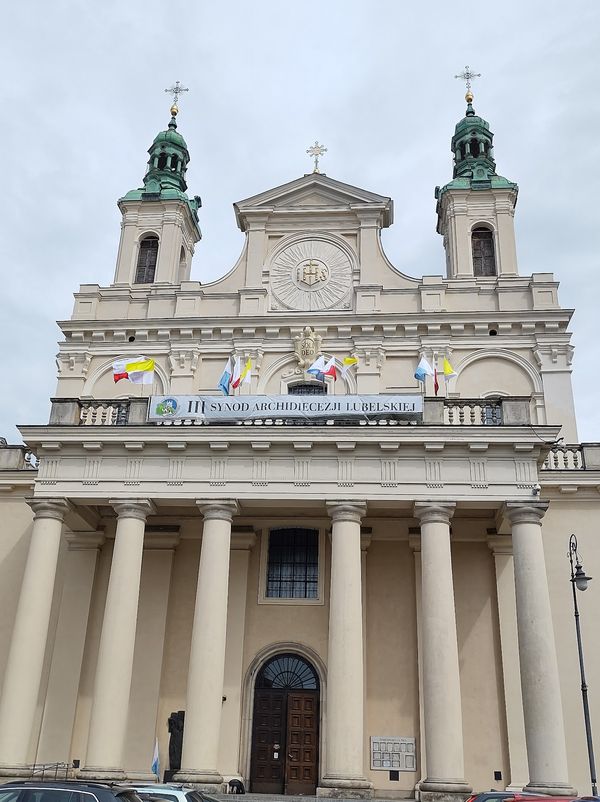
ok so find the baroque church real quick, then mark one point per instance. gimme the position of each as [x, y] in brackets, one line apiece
[344, 583]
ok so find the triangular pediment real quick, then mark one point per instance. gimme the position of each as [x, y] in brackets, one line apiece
[314, 191]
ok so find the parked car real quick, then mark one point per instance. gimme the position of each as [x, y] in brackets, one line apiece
[65, 791]
[521, 796]
[171, 792]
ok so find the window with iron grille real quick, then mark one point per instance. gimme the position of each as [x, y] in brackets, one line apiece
[484, 259]
[293, 564]
[307, 388]
[146, 263]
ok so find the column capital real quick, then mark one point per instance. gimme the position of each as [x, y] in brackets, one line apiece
[218, 509]
[434, 511]
[525, 512]
[138, 508]
[353, 511]
[55, 508]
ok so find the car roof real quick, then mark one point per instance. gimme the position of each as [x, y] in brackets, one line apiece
[79, 785]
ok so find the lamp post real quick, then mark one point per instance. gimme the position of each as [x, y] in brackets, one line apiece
[579, 581]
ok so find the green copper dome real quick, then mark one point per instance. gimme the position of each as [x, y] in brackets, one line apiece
[473, 149]
[165, 173]
[169, 158]
[170, 135]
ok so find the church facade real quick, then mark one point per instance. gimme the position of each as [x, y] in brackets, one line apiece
[347, 584]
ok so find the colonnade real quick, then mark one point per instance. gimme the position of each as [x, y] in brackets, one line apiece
[343, 768]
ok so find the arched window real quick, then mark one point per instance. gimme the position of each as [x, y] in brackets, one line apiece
[146, 263]
[162, 161]
[174, 163]
[307, 388]
[484, 258]
[182, 265]
[288, 672]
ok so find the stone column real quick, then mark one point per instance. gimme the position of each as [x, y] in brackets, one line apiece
[501, 548]
[23, 673]
[441, 677]
[540, 686]
[207, 657]
[243, 540]
[112, 685]
[345, 662]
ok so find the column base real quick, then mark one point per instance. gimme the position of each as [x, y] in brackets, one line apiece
[101, 773]
[345, 788]
[142, 777]
[444, 791]
[208, 780]
[15, 771]
[552, 789]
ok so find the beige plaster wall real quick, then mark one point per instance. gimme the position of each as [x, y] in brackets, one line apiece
[484, 723]
[491, 374]
[391, 654]
[562, 519]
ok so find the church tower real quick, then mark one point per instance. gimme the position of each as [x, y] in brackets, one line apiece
[475, 211]
[160, 222]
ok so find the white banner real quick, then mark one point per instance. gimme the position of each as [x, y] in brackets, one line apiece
[212, 408]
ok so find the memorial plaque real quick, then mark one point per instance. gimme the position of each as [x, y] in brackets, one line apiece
[393, 753]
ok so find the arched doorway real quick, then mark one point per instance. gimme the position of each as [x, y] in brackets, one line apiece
[285, 727]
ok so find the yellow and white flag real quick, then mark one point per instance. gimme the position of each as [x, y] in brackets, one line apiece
[347, 363]
[449, 372]
[138, 370]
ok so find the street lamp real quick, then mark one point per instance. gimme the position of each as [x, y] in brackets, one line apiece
[580, 581]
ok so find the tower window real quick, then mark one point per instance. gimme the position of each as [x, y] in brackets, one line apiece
[162, 161]
[484, 258]
[146, 263]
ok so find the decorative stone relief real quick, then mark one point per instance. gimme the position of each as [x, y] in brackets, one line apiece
[388, 473]
[302, 471]
[345, 472]
[433, 473]
[260, 468]
[478, 468]
[133, 468]
[91, 470]
[307, 347]
[311, 275]
[175, 475]
[218, 467]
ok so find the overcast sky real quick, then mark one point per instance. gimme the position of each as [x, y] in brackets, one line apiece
[82, 99]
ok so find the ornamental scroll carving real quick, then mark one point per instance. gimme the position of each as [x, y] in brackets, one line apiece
[307, 347]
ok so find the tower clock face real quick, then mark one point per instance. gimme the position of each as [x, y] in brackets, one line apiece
[311, 276]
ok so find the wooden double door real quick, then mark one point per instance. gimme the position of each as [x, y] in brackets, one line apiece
[285, 742]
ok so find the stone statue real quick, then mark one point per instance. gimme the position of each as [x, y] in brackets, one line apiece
[176, 739]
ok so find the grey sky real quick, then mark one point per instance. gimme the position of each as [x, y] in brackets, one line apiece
[82, 98]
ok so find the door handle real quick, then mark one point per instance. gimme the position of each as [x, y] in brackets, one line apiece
[291, 757]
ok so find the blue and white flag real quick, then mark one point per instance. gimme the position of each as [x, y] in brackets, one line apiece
[423, 369]
[317, 369]
[225, 380]
[156, 761]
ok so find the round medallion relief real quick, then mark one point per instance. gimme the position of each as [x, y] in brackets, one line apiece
[311, 275]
